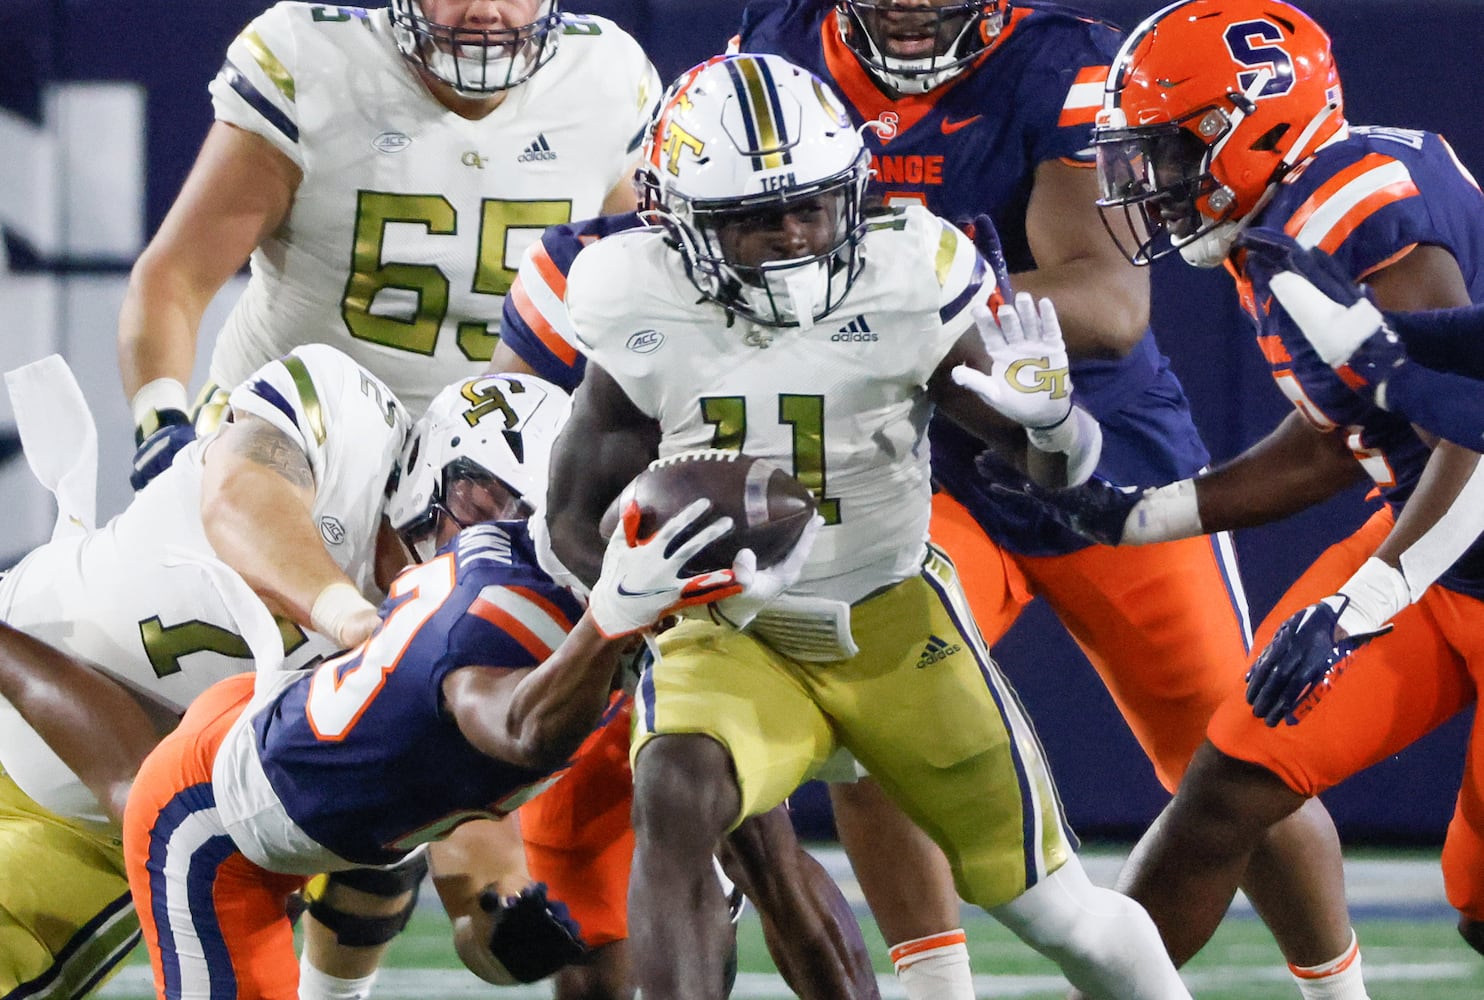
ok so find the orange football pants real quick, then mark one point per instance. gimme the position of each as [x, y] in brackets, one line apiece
[1390, 693]
[578, 836]
[214, 922]
[1160, 623]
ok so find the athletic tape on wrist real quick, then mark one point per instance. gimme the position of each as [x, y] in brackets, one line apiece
[156, 395]
[334, 608]
[1163, 514]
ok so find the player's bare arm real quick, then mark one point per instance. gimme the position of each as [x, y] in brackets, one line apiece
[1291, 469]
[537, 718]
[257, 498]
[70, 704]
[605, 444]
[237, 194]
[1102, 299]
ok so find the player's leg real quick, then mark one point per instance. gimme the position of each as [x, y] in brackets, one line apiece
[1463, 849]
[904, 876]
[580, 844]
[722, 731]
[215, 924]
[952, 745]
[1249, 776]
[909, 888]
[812, 934]
[350, 920]
[66, 921]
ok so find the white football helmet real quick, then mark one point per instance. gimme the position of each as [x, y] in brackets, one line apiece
[743, 138]
[473, 61]
[495, 429]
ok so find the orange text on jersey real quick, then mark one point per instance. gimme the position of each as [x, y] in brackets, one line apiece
[911, 169]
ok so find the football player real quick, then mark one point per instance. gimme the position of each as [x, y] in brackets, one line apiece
[382, 169]
[983, 108]
[482, 662]
[719, 328]
[284, 503]
[1222, 115]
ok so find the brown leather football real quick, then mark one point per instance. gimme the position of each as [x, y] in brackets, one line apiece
[768, 507]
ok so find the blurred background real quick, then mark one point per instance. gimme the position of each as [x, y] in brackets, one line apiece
[102, 108]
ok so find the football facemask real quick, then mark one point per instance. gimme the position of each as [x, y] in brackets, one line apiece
[914, 49]
[757, 173]
[473, 61]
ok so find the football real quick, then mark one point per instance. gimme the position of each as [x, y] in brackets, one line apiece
[768, 507]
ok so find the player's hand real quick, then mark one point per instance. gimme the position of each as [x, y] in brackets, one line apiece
[1030, 383]
[1335, 315]
[158, 445]
[641, 580]
[1096, 510]
[761, 587]
[533, 935]
[1302, 660]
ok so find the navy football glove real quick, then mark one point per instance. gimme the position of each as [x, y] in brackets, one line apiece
[1096, 510]
[533, 936]
[1336, 316]
[158, 447]
[1300, 662]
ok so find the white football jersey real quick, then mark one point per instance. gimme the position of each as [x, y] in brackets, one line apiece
[843, 406]
[141, 596]
[409, 221]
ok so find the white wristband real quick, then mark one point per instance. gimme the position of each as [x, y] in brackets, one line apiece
[159, 394]
[335, 607]
[1079, 436]
[1377, 592]
[1163, 514]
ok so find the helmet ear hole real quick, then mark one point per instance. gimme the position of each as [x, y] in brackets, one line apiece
[1268, 141]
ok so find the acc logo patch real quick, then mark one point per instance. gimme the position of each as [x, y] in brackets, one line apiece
[391, 142]
[645, 341]
[331, 530]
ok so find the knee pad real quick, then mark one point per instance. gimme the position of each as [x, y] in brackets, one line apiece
[355, 930]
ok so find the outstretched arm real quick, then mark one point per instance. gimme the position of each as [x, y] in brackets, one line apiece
[98, 727]
[257, 503]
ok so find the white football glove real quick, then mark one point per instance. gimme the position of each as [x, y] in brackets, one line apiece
[1030, 383]
[1335, 329]
[641, 583]
[761, 587]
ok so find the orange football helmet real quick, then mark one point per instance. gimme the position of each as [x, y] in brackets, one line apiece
[1209, 105]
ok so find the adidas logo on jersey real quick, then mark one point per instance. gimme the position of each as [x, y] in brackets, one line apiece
[936, 651]
[540, 149]
[855, 330]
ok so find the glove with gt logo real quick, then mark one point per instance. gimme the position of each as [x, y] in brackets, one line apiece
[1335, 315]
[641, 580]
[1030, 383]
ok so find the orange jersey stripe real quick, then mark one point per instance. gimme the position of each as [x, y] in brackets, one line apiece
[555, 279]
[1388, 182]
[511, 625]
[1272, 348]
[1085, 97]
[554, 341]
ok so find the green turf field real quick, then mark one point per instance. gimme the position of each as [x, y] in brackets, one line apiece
[1411, 951]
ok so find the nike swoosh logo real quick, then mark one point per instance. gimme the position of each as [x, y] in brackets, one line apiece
[625, 592]
[951, 127]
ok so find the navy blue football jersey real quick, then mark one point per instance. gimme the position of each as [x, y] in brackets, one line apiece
[1368, 200]
[361, 752]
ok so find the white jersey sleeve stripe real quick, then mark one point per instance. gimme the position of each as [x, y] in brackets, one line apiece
[1338, 205]
[536, 624]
